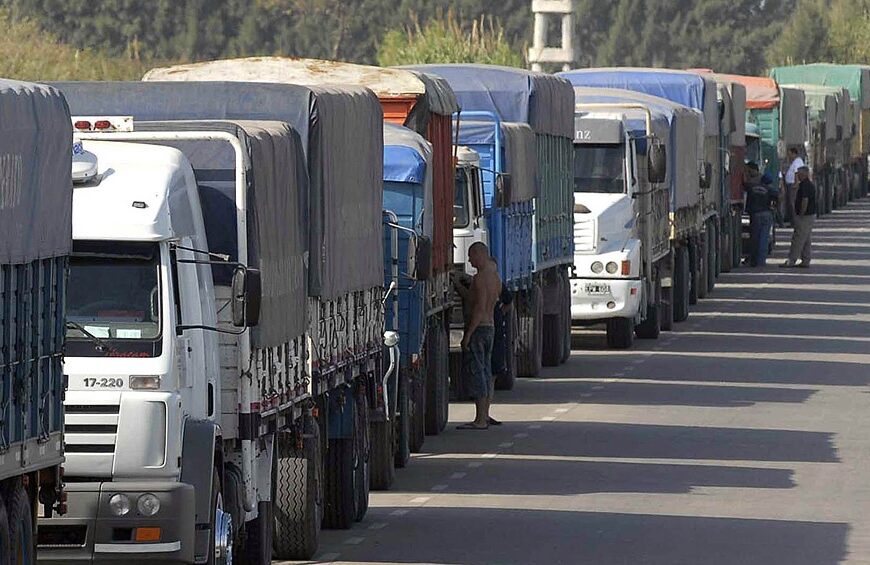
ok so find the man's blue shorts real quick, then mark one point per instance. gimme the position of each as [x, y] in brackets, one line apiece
[477, 363]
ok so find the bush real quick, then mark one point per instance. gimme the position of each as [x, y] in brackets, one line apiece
[446, 40]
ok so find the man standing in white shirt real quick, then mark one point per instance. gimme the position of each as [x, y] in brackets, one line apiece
[795, 163]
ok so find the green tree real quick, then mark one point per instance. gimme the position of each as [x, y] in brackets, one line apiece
[805, 38]
[445, 40]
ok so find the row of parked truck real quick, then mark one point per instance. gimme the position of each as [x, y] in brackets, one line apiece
[226, 308]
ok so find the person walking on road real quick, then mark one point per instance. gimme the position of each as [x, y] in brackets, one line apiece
[761, 201]
[804, 218]
[481, 299]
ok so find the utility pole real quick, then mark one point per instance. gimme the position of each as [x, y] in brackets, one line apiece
[540, 52]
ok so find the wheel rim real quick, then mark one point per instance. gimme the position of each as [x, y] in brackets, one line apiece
[223, 534]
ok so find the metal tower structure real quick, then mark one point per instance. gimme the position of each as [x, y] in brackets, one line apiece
[540, 52]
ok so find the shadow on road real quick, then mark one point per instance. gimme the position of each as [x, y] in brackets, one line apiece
[466, 536]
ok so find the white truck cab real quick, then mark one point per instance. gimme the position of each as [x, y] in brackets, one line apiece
[613, 278]
[469, 223]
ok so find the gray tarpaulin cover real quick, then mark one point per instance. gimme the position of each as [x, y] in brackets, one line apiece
[738, 114]
[543, 101]
[793, 116]
[522, 160]
[341, 134]
[35, 173]
[277, 201]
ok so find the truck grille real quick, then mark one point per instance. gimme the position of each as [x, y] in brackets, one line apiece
[89, 434]
[584, 234]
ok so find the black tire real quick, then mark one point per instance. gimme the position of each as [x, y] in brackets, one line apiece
[530, 335]
[620, 333]
[667, 310]
[339, 494]
[257, 546]
[703, 264]
[566, 305]
[712, 257]
[417, 389]
[298, 494]
[737, 242]
[507, 379]
[727, 243]
[437, 385]
[651, 327]
[5, 544]
[717, 251]
[682, 282]
[552, 331]
[403, 423]
[21, 543]
[695, 272]
[217, 502]
[361, 454]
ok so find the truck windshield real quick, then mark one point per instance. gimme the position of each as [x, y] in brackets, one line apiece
[460, 200]
[113, 300]
[599, 168]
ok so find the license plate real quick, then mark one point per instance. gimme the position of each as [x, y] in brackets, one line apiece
[597, 288]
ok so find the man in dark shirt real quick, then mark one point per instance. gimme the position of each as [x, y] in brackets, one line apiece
[804, 218]
[761, 199]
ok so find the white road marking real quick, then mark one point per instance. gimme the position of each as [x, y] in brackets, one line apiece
[378, 526]
[354, 541]
[560, 410]
[421, 500]
[506, 444]
[488, 455]
[548, 418]
[456, 476]
[399, 512]
[438, 488]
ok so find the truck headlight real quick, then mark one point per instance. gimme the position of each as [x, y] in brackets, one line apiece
[119, 504]
[597, 267]
[612, 267]
[148, 504]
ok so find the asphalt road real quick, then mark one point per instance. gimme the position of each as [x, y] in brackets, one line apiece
[743, 437]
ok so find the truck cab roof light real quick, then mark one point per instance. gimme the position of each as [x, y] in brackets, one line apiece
[82, 125]
[103, 123]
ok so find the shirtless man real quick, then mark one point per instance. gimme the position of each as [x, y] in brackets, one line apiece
[482, 297]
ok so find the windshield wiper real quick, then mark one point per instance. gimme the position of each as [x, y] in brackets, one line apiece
[102, 346]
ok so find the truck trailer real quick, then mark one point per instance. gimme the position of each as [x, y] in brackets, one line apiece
[36, 150]
[520, 122]
[425, 104]
[267, 420]
[621, 214]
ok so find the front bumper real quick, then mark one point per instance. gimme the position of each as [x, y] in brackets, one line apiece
[90, 533]
[623, 296]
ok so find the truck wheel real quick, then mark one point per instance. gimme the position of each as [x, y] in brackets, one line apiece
[552, 331]
[566, 307]
[507, 379]
[737, 242]
[666, 312]
[5, 545]
[437, 386]
[362, 454]
[712, 259]
[339, 508]
[682, 282]
[696, 272]
[417, 389]
[257, 548]
[703, 264]
[298, 498]
[22, 550]
[650, 328]
[620, 333]
[727, 240]
[530, 335]
[221, 538]
[717, 251]
[403, 423]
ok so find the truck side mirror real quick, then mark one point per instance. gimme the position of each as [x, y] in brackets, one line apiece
[420, 258]
[503, 189]
[657, 161]
[247, 294]
[706, 178]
